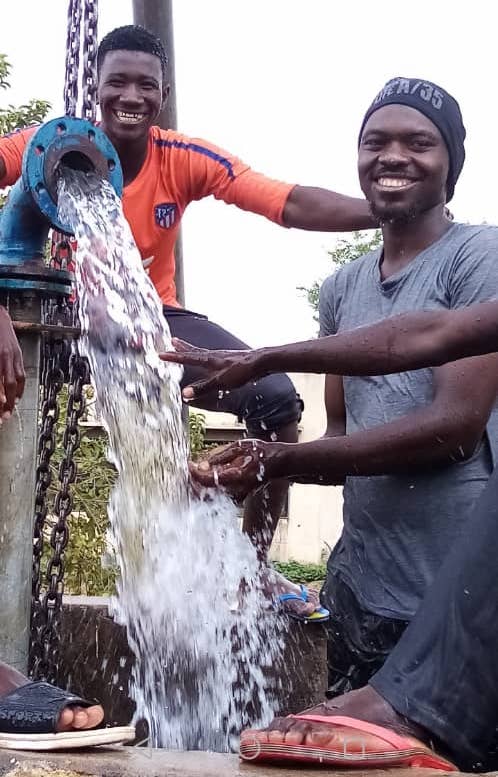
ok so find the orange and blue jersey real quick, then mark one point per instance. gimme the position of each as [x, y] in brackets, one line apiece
[177, 170]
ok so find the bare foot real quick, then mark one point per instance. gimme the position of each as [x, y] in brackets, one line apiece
[364, 704]
[275, 584]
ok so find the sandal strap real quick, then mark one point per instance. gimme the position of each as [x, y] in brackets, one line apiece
[35, 708]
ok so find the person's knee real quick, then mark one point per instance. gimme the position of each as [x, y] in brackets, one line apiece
[270, 404]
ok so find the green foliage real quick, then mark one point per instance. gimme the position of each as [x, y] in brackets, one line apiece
[344, 252]
[197, 430]
[301, 573]
[88, 523]
[17, 117]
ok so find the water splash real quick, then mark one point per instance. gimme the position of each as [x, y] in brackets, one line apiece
[188, 590]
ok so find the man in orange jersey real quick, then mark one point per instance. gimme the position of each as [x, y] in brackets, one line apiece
[163, 172]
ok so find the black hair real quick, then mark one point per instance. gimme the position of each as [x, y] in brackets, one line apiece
[132, 37]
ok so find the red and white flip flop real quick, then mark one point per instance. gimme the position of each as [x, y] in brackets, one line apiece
[355, 744]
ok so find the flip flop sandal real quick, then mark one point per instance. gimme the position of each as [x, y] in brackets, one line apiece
[319, 615]
[360, 748]
[29, 716]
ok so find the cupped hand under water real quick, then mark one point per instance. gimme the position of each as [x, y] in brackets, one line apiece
[240, 468]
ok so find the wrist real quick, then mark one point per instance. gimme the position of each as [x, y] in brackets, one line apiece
[278, 456]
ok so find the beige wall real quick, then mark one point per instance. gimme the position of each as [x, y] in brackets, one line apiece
[315, 512]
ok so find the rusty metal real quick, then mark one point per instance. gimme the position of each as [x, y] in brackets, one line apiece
[52, 329]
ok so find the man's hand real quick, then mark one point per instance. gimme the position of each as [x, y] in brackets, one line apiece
[239, 468]
[12, 375]
[225, 369]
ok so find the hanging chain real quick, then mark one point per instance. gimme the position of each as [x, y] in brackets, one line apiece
[63, 504]
[75, 15]
[52, 381]
[89, 107]
[47, 605]
[72, 57]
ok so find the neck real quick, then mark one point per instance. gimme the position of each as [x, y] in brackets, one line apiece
[132, 154]
[403, 241]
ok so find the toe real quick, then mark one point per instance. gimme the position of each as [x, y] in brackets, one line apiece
[66, 719]
[80, 718]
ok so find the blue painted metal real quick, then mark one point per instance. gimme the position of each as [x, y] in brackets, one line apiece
[31, 207]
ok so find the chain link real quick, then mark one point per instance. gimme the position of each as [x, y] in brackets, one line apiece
[72, 57]
[78, 11]
[52, 381]
[47, 605]
[89, 107]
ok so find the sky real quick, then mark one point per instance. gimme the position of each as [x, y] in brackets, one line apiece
[283, 85]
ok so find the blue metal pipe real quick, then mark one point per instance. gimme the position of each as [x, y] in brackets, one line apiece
[31, 207]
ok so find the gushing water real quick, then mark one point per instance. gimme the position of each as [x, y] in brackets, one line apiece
[188, 590]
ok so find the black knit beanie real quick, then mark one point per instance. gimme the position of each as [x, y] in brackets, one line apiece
[439, 107]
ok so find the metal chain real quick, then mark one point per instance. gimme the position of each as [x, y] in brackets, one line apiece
[46, 608]
[63, 505]
[52, 381]
[89, 107]
[72, 57]
[75, 15]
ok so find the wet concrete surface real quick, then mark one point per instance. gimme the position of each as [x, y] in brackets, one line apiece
[140, 762]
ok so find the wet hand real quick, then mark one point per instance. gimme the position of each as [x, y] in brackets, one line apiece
[225, 369]
[239, 468]
[12, 377]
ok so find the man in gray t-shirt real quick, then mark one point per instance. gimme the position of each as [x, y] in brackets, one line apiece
[399, 524]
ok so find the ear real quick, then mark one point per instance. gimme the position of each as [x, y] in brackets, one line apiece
[166, 91]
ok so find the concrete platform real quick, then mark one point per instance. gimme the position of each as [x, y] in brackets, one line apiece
[141, 762]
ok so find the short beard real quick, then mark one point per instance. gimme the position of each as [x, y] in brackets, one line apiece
[395, 215]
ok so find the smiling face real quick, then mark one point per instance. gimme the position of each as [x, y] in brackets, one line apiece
[403, 164]
[131, 94]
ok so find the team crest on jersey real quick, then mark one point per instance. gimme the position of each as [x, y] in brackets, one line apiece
[165, 214]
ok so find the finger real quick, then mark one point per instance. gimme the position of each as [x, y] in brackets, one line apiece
[200, 388]
[10, 384]
[226, 455]
[205, 478]
[186, 357]
[20, 374]
[182, 345]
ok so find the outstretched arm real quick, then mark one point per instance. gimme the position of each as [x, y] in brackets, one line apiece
[434, 435]
[406, 342]
[321, 210]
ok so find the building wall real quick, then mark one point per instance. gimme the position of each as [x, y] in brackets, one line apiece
[314, 519]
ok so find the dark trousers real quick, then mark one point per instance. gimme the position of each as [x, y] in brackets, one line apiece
[443, 673]
[265, 405]
[358, 641]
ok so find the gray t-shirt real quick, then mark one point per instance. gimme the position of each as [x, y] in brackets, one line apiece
[398, 528]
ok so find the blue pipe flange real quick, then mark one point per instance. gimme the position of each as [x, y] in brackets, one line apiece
[86, 147]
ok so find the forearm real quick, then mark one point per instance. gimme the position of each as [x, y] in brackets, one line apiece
[312, 208]
[406, 342]
[418, 442]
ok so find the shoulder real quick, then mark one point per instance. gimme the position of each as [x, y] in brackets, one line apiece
[475, 235]
[350, 272]
[177, 141]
